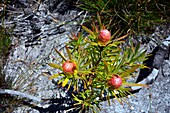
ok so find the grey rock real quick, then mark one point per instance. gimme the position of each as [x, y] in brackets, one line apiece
[28, 61]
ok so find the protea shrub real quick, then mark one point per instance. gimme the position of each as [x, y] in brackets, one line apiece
[102, 69]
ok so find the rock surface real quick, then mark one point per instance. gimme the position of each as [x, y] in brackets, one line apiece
[40, 28]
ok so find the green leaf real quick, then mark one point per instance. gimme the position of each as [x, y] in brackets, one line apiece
[83, 95]
[127, 92]
[129, 71]
[99, 19]
[121, 38]
[108, 99]
[137, 48]
[61, 55]
[55, 66]
[123, 93]
[54, 76]
[88, 30]
[120, 62]
[106, 67]
[65, 82]
[76, 99]
[76, 76]
[85, 83]
[85, 72]
[141, 56]
[93, 43]
[113, 93]
[115, 34]
[69, 85]
[112, 44]
[68, 52]
[133, 84]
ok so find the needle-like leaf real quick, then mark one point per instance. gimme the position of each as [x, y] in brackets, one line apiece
[61, 55]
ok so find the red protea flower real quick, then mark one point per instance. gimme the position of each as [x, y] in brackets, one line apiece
[104, 36]
[69, 67]
[115, 82]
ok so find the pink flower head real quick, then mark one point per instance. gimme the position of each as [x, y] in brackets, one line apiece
[104, 36]
[68, 67]
[115, 81]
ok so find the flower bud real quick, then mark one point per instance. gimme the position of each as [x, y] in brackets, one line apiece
[104, 36]
[115, 81]
[68, 67]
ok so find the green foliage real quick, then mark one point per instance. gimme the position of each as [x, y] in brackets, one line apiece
[96, 64]
[5, 82]
[5, 41]
[135, 15]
